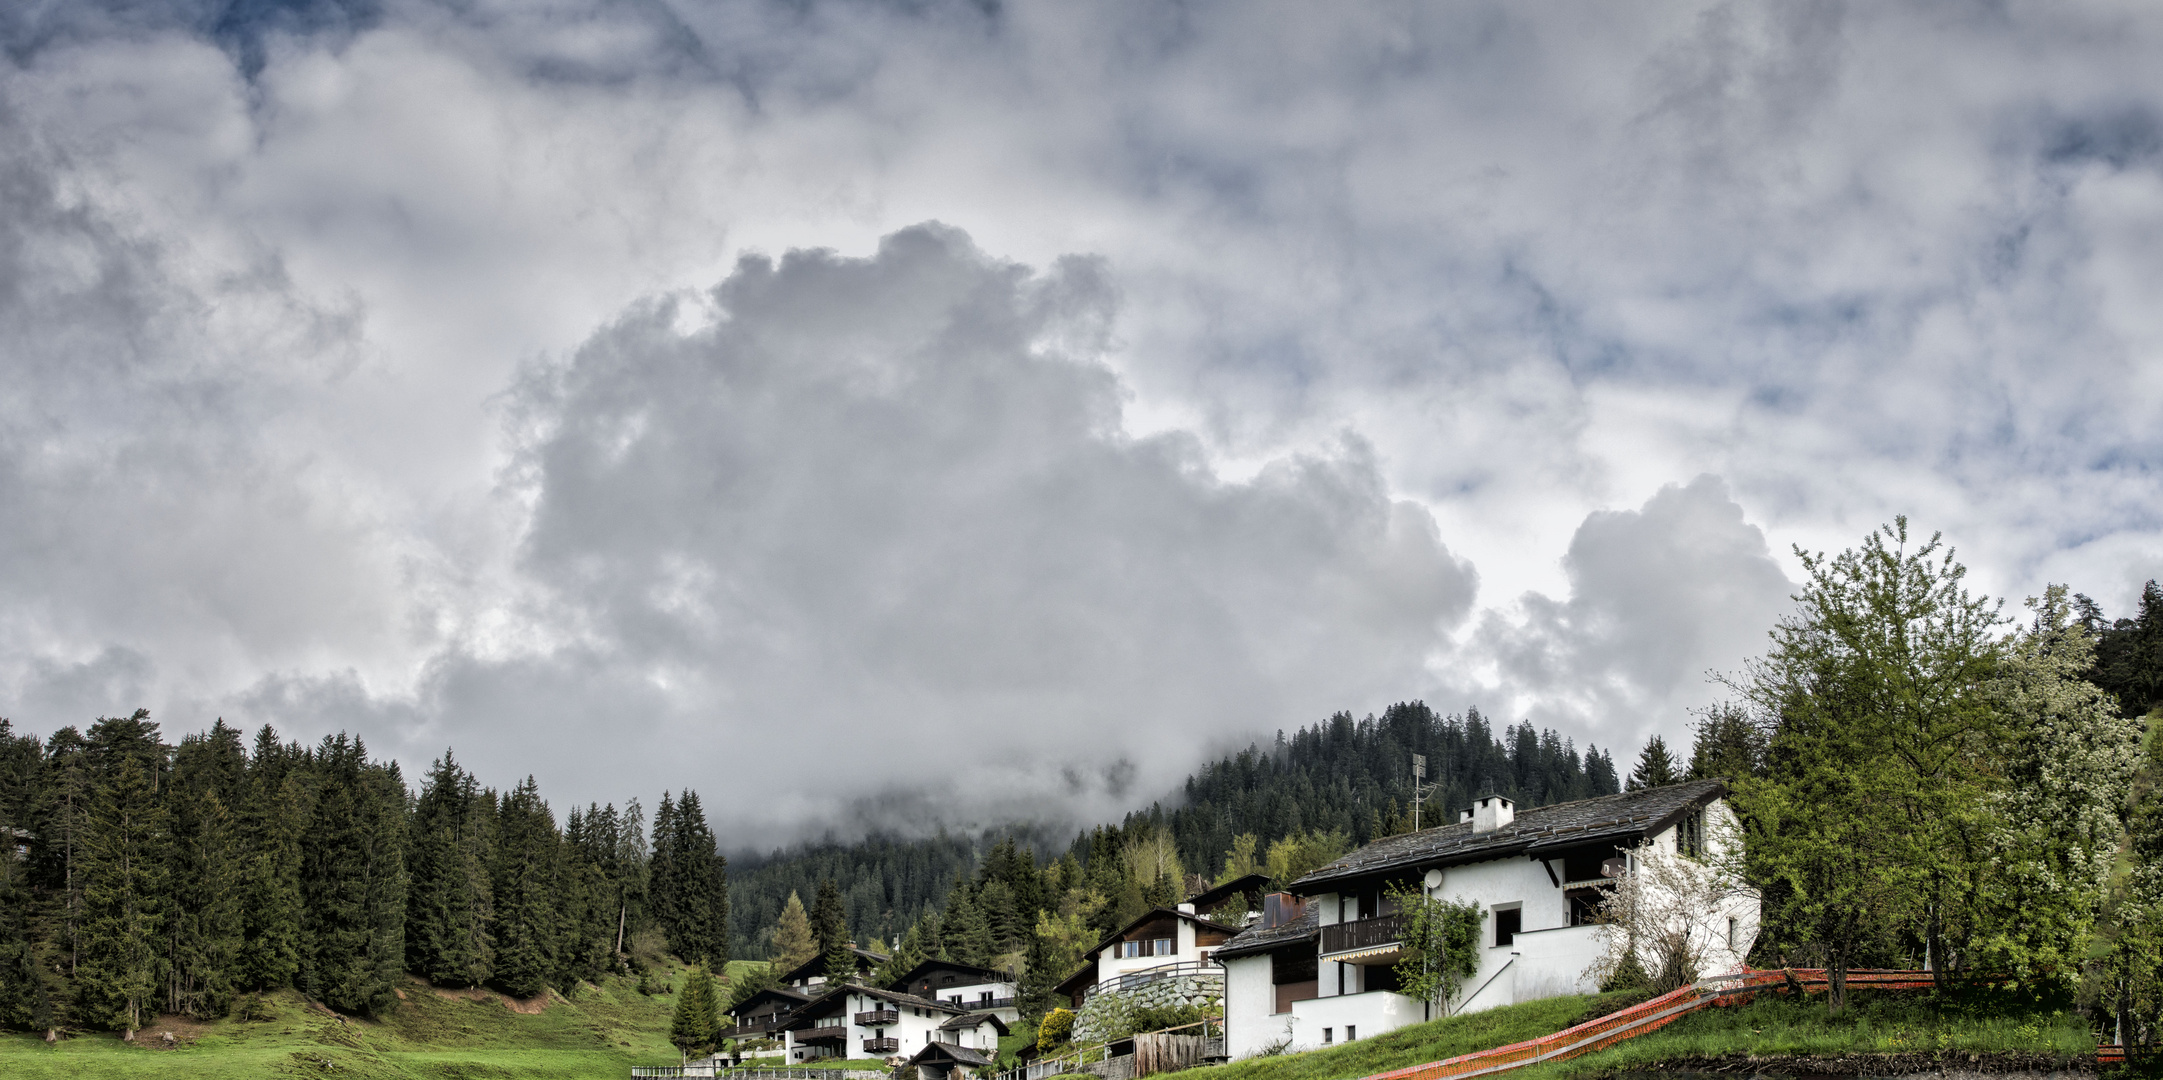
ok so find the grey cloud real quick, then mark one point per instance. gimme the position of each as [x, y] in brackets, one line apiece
[886, 504]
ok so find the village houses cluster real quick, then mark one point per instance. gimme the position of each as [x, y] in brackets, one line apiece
[1316, 964]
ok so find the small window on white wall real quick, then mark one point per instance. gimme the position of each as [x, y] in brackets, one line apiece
[1730, 933]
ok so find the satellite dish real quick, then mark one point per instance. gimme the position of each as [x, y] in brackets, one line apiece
[1434, 879]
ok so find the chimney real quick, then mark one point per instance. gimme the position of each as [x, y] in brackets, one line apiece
[1490, 813]
[1279, 909]
[1187, 908]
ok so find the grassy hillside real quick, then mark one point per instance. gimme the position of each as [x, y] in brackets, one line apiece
[431, 1035]
[1878, 1025]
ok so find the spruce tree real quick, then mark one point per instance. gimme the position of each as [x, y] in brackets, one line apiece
[829, 918]
[1655, 768]
[526, 904]
[277, 811]
[207, 912]
[664, 883]
[204, 930]
[450, 937]
[1728, 746]
[692, 1026]
[353, 881]
[26, 985]
[124, 883]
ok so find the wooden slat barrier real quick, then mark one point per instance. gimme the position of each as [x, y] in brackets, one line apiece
[1640, 1019]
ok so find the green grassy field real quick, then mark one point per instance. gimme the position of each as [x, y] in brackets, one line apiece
[1884, 1024]
[457, 1035]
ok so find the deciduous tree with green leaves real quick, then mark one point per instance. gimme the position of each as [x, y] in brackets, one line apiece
[1879, 698]
[1441, 942]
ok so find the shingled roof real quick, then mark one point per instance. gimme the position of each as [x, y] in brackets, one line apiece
[1625, 818]
[1254, 939]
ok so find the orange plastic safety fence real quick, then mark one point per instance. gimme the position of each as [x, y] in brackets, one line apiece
[1615, 1027]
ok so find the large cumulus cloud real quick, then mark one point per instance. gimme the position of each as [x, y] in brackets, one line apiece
[884, 509]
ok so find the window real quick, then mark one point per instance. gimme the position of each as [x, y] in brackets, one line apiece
[1166, 946]
[1690, 836]
[1351, 1031]
[1326, 1036]
[1508, 923]
[1731, 933]
[985, 997]
[1584, 906]
[1130, 948]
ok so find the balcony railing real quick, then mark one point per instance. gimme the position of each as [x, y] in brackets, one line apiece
[1362, 934]
[881, 1046]
[1138, 979]
[824, 1033]
[752, 1028]
[878, 1018]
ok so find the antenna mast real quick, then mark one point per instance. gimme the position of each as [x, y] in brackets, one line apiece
[1419, 773]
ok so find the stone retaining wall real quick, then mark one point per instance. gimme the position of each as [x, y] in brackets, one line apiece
[1111, 1011]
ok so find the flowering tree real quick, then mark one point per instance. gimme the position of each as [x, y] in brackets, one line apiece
[1664, 914]
[2057, 820]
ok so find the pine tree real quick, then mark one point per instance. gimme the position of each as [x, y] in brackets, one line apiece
[794, 941]
[1654, 767]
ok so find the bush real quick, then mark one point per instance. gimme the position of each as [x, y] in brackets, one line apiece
[1056, 1028]
[1159, 1017]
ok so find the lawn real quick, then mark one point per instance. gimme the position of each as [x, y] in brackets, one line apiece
[1885, 1024]
[1421, 1043]
[448, 1035]
[1879, 1024]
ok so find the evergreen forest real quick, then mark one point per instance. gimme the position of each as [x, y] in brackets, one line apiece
[152, 878]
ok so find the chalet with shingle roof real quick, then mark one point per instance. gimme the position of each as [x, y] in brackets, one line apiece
[1319, 967]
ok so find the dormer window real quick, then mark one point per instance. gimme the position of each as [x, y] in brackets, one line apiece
[1690, 836]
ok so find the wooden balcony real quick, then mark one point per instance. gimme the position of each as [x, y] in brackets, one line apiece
[878, 1018]
[823, 1033]
[1362, 934]
[882, 1046]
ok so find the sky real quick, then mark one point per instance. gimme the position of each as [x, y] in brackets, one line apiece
[915, 414]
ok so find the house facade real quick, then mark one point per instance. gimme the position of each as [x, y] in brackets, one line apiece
[1318, 968]
[964, 986]
[1165, 957]
[860, 1022]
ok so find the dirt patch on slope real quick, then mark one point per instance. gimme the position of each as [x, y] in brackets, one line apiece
[532, 1006]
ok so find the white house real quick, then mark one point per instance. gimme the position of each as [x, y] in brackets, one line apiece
[1319, 966]
[1162, 943]
[867, 1022]
[963, 986]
